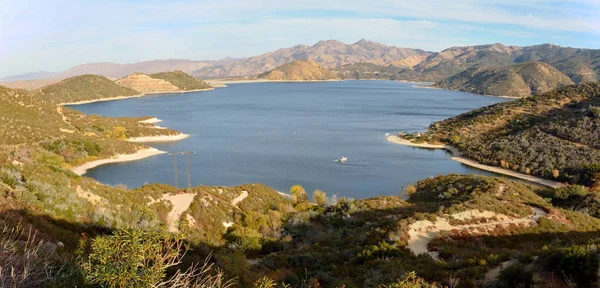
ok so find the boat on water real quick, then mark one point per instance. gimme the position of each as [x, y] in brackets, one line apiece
[341, 160]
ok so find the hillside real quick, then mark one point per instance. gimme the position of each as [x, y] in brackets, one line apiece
[163, 82]
[367, 71]
[554, 135]
[454, 228]
[519, 80]
[580, 65]
[84, 88]
[329, 54]
[300, 70]
[181, 80]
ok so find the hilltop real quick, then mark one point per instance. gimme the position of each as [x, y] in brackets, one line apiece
[163, 82]
[300, 70]
[517, 80]
[84, 88]
[554, 135]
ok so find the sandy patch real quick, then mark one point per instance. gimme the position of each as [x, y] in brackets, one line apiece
[180, 202]
[95, 199]
[422, 232]
[161, 138]
[141, 154]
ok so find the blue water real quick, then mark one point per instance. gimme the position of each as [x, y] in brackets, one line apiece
[281, 134]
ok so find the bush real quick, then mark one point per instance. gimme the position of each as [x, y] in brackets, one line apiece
[320, 197]
[298, 194]
[130, 258]
[515, 276]
[566, 192]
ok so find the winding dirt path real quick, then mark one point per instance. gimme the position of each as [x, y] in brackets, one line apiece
[422, 232]
[457, 156]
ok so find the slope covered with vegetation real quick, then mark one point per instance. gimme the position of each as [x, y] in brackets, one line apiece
[181, 80]
[300, 70]
[553, 135]
[84, 88]
[518, 80]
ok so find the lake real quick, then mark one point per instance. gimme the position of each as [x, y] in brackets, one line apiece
[281, 134]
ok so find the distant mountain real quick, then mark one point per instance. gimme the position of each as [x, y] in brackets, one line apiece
[579, 64]
[517, 80]
[162, 82]
[329, 54]
[84, 88]
[29, 76]
[300, 70]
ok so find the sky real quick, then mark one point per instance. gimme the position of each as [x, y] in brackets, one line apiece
[55, 35]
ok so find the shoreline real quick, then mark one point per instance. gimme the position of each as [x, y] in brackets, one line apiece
[140, 154]
[269, 81]
[457, 156]
[131, 96]
[159, 138]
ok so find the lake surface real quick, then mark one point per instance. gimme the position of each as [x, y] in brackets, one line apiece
[281, 134]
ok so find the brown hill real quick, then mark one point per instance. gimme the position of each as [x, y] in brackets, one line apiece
[301, 70]
[518, 80]
[162, 82]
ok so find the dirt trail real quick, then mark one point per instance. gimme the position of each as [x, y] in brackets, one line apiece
[239, 199]
[457, 156]
[423, 231]
[180, 202]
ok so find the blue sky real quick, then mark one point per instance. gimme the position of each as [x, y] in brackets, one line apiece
[56, 35]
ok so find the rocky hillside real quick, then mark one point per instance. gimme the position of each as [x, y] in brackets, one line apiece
[579, 64]
[368, 71]
[301, 70]
[554, 135]
[329, 54]
[84, 88]
[162, 82]
[518, 80]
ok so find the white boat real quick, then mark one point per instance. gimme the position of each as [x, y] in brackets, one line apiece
[342, 160]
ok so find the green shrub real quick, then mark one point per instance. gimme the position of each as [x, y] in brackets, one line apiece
[566, 192]
[515, 276]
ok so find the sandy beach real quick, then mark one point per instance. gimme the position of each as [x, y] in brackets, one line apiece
[161, 138]
[458, 157]
[141, 154]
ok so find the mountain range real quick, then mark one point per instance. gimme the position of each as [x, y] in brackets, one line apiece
[363, 59]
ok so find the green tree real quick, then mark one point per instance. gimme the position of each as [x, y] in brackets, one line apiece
[298, 194]
[320, 197]
[515, 276]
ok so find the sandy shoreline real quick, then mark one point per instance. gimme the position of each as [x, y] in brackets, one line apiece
[132, 96]
[140, 154]
[458, 157]
[160, 138]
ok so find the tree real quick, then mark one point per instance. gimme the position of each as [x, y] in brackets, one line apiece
[515, 276]
[298, 194]
[320, 197]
